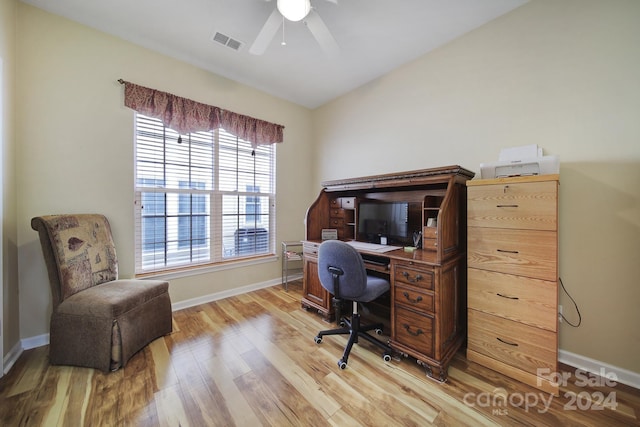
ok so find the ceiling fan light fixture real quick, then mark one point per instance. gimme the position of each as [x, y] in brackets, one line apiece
[294, 10]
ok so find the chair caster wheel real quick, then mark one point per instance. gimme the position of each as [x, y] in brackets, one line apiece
[317, 339]
[378, 331]
[386, 357]
[342, 364]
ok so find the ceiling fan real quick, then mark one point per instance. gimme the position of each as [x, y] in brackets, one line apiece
[295, 10]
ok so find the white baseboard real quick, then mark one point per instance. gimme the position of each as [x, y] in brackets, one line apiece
[33, 342]
[11, 357]
[596, 367]
[224, 294]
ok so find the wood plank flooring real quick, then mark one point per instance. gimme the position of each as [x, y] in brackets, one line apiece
[250, 360]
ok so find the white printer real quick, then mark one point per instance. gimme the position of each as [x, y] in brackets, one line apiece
[520, 161]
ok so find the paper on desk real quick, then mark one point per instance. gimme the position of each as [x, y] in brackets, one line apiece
[372, 247]
[518, 153]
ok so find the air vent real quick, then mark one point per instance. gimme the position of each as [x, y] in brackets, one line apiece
[227, 41]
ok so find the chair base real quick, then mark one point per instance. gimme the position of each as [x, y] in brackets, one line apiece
[356, 331]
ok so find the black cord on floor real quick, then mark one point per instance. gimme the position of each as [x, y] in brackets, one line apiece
[575, 305]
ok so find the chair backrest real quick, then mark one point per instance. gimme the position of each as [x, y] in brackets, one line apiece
[78, 250]
[336, 253]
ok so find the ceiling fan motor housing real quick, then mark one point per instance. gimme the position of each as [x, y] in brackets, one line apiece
[294, 10]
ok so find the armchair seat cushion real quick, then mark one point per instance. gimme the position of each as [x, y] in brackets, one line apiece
[112, 299]
[103, 326]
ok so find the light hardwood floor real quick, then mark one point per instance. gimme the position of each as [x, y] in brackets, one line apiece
[251, 360]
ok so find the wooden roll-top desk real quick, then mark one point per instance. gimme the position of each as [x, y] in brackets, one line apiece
[428, 285]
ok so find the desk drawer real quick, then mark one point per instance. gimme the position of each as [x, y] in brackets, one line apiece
[524, 347]
[343, 202]
[418, 277]
[337, 213]
[310, 248]
[520, 252]
[530, 301]
[414, 330]
[430, 244]
[414, 298]
[531, 205]
[336, 222]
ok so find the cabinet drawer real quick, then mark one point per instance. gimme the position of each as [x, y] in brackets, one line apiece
[336, 222]
[417, 277]
[413, 297]
[337, 213]
[520, 252]
[348, 202]
[310, 248]
[343, 202]
[530, 301]
[414, 330]
[430, 232]
[524, 347]
[532, 205]
[430, 244]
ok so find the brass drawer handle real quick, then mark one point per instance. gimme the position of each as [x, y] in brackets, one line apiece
[506, 206]
[408, 328]
[506, 296]
[417, 279]
[415, 301]
[507, 342]
[506, 251]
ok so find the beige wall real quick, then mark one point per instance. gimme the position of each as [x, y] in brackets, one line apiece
[9, 285]
[75, 147]
[560, 74]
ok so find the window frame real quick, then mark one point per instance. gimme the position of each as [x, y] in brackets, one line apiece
[259, 168]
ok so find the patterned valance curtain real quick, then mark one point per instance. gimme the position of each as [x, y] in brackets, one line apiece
[185, 115]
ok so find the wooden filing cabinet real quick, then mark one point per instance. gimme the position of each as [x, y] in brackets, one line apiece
[512, 259]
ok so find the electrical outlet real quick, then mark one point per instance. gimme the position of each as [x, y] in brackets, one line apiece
[560, 313]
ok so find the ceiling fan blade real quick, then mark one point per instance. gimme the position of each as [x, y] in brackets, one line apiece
[322, 34]
[267, 33]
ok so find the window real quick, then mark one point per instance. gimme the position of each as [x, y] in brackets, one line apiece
[201, 198]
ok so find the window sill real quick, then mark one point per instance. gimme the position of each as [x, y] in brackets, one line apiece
[207, 268]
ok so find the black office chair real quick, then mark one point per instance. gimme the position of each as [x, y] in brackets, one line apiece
[342, 272]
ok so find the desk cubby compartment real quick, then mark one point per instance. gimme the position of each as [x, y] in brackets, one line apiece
[342, 216]
[430, 219]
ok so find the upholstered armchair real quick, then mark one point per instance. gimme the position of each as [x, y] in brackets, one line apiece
[98, 320]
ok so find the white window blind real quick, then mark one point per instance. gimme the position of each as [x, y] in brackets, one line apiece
[203, 198]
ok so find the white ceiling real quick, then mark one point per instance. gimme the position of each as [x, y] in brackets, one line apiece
[374, 36]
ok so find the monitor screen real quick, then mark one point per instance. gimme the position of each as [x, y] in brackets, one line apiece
[384, 219]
